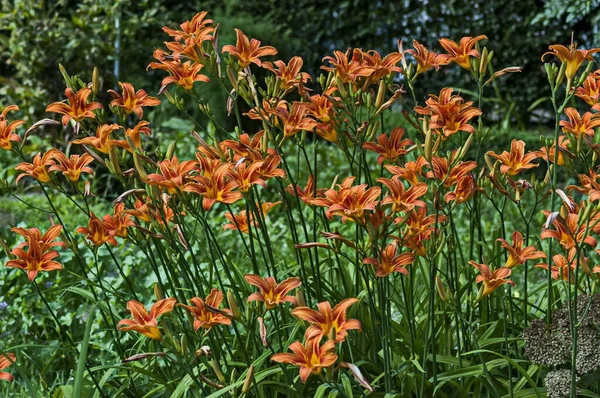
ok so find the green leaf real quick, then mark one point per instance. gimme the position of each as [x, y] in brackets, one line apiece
[63, 392]
[81, 361]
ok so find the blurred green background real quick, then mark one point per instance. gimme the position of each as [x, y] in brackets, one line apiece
[119, 36]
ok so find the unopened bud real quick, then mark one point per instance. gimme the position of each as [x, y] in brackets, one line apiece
[561, 74]
[300, 297]
[95, 81]
[184, 345]
[489, 161]
[248, 381]
[114, 161]
[441, 288]
[158, 292]
[483, 63]
[139, 167]
[427, 151]
[380, 95]
[341, 87]
[171, 150]
[232, 78]
[217, 369]
[465, 147]
[233, 305]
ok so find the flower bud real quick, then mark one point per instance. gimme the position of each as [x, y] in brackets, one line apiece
[341, 87]
[465, 147]
[139, 167]
[217, 369]
[490, 162]
[113, 156]
[561, 75]
[441, 288]
[232, 78]
[158, 292]
[233, 305]
[95, 81]
[300, 298]
[380, 95]
[483, 64]
[427, 151]
[248, 381]
[170, 150]
[184, 345]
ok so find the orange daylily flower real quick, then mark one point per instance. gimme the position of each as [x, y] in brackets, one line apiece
[491, 280]
[5, 361]
[449, 172]
[427, 59]
[462, 52]
[73, 166]
[173, 174]
[131, 100]
[419, 227]
[198, 29]
[207, 313]
[38, 168]
[295, 119]
[308, 193]
[39, 255]
[328, 322]
[449, 113]
[269, 167]
[589, 185]
[246, 175]
[242, 222]
[347, 70]
[349, 201]
[379, 67]
[182, 74]
[271, 293]
[411, 171]
[117, 223]
[464, 190]
[45, 240]
[580, 124]
[567, 232]
[77, 107]
[214, 186]
[289, 75]
[517, 254]
[564, 267]
[589, 91]
[400, 198]
[548, 153]
[268, 111]
[97, 232]
[145, 322]
[244, 147]
[7, 134]
[102, 141]
[391, 147]
[135, 133]
[248, 51]
[515, 161]
[320, 107]
[147, 212]
[573, 57]
[310, 357]
[390, 261]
